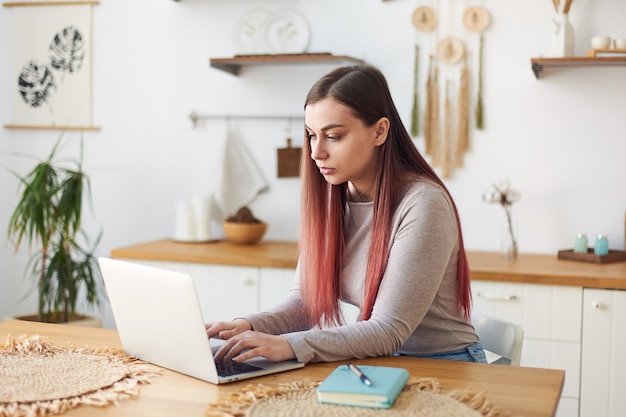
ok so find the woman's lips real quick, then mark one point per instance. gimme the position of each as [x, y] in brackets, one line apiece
[326, 171]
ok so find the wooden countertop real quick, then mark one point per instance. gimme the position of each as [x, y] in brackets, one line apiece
[546, 269]
[267, 254]
[484, 266]
[522, 391]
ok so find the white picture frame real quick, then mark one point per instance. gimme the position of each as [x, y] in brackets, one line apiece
[51, 82]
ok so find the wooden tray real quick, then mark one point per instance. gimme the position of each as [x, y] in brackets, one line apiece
[593, 53]
[612, 256]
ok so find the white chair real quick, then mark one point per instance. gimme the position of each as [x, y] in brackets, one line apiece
[500, 337]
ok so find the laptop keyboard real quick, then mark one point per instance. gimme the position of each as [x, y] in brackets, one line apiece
[228, 368]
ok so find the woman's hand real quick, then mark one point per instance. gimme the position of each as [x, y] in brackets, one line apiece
[227, 329]
[249, 344]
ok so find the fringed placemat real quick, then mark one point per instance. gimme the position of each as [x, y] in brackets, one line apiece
[420, 398]
[38, 378]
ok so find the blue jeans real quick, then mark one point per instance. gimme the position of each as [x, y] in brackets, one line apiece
[472, 353]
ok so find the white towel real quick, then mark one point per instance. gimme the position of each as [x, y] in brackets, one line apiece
[240, 179]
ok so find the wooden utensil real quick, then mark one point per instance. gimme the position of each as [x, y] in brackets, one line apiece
[289, 161]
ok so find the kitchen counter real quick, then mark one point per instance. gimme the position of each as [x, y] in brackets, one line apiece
[270, 254]
[484, 266]
[546, 269]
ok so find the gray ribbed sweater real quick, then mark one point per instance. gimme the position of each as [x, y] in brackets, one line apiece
[415, 311]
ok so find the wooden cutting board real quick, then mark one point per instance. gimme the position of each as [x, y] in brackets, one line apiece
[288, 161]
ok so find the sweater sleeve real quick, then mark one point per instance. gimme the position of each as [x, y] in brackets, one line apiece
[286, 317]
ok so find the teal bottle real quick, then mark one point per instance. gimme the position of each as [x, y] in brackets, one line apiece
[602, 245]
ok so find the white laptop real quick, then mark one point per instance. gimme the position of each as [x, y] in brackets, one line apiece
[159, 320]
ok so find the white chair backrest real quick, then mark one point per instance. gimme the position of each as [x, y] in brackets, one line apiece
[500, 337]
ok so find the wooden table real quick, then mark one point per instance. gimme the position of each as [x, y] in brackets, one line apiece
[529, 392]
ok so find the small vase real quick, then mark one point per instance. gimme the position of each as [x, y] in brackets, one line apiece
[508, 246]
[562, 42]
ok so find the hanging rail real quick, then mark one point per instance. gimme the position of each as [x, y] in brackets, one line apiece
[195, 117]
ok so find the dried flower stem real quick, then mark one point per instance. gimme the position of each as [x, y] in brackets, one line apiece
[415, 112]
[435, 142]
[566, 6]
[508, 209]
[479, 99]
[428, 111]
[445, 145]
[462, 133]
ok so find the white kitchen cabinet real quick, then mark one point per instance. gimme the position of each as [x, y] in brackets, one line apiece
[551, 317]
[603, 368]
[226, 292]
[274, 286]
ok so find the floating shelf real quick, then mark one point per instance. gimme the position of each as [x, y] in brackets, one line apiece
[233, 65]
[538, 64]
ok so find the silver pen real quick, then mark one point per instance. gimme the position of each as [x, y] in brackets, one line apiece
[356, 371]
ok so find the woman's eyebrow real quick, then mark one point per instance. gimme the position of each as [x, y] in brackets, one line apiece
[327, 127]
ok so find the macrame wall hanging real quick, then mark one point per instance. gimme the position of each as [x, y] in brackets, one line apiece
[452, 31]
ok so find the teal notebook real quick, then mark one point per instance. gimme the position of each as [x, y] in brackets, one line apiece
[343, 387]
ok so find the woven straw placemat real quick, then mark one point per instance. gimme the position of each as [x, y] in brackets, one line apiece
[420, 398]
[40, 378]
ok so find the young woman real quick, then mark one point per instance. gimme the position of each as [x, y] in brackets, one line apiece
[379, 230]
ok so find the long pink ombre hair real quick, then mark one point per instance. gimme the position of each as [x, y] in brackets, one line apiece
[364, 90]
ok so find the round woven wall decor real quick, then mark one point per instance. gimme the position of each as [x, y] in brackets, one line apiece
[476, 19]
[424, 18]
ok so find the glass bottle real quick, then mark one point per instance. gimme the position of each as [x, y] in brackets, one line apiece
[602, 245]
[580, 244]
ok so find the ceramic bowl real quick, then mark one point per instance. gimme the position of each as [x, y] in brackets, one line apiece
[244, 233]
[601, 42]
[619, 43]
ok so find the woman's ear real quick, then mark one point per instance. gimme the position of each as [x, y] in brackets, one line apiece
[382, 130]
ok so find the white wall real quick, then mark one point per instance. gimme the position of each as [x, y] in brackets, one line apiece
[560, 139]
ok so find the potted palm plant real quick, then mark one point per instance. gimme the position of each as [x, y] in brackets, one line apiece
[48, 217]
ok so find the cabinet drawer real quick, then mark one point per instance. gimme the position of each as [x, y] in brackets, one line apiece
[545, 312]
[234, 291]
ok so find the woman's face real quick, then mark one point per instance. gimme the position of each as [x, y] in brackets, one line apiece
[343, 148]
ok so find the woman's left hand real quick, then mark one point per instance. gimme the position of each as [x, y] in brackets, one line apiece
[251, 344]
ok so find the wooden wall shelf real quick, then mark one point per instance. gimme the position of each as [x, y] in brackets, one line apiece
[233, 65]
[538, 64]
[37, 127]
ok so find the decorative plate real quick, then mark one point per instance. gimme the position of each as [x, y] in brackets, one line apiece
[286, 32]
[248, 33]
[424, 18]
[476, 19]
[450, 50]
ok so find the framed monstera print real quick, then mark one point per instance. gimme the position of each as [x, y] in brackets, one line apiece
[51, 70]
